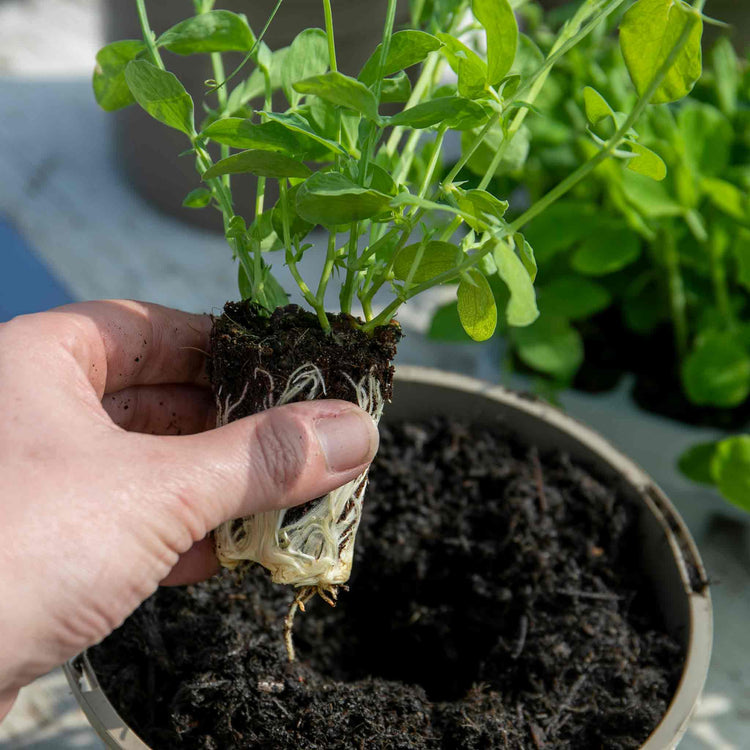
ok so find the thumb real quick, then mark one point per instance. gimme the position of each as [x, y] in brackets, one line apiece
[277, 458]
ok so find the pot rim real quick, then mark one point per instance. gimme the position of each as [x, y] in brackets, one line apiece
[114, 731]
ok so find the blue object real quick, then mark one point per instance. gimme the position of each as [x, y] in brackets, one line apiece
[26, 284]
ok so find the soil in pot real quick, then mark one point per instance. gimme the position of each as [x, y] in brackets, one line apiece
[496, 602]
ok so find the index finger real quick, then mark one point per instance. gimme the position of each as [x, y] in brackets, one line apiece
[125, 343]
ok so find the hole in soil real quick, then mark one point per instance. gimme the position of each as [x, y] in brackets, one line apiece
[380, 631]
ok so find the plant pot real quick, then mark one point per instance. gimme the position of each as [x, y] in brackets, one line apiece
[148, 153]
[667, 551]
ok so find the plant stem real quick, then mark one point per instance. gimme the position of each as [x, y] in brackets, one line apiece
[677, 304]
[556, 192]
[719, 279]
[148, 35]
[329, 34]
[292, 263]
[573, 179]
[325, 274]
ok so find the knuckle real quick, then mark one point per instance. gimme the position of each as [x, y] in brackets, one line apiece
[281, 449]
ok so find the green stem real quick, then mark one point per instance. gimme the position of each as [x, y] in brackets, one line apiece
[221, 94]
[582, 171]
[677, 304]
[325, 274]
[719, 281]
[148, 35]
[553, 194]
[329, 34]
[423, 84]
[292, 263]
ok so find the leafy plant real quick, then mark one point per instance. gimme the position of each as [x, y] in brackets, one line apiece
[374, 182]
[662, 240]
[369, 179]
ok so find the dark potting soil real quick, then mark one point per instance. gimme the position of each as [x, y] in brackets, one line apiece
[260, 353]
[496, 602]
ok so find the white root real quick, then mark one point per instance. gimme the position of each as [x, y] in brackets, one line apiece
[314, 552]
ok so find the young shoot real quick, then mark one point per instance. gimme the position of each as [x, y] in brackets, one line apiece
[371, 184]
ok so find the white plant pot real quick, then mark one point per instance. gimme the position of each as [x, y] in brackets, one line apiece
[668, 552]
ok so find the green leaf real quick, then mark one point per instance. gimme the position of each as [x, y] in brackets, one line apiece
[215, 31]
[307, 56]
[526, 254]
[707, 138]
[341, 91]
[550, 345]
[455, 112]
[483, 207]
[731, 469]
[331, 198]
[596, 106]
[648, 32]
[466, 64]
[476, 306]
[695, 462]
[728, 198]
[198, 198]
[407, 48]
[647, 162]
[437, 257]
[243, 133]
[258, 162]
[161, 95]
[607, 250]
[717, 371]
[446, 325]
[110, 87]
[652, 199]
[396, 89]
[297, 124]
[521, 309]
[573, 297]
[513, 158]
[502, 36]
[560, 227]
[727, 75]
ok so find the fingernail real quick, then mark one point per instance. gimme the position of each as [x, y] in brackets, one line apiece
[349, 439]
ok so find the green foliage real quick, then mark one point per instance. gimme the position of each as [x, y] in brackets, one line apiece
[258, 162]
[717, 371]
[198, 198]
[476, 306]
[161, 95]
[501, 28]
[331, 198]
[110, 87]
[215, 31]
[341, 91]
[648, 33]
[730, 468]
[407, 48]
[551, 346]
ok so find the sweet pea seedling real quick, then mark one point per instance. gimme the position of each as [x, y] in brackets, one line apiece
[374, 182]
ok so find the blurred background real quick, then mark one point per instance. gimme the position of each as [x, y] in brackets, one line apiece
[90, 208]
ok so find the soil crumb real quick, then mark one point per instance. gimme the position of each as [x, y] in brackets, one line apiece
[496, 602]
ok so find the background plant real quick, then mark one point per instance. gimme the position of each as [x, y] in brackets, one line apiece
[671, 251]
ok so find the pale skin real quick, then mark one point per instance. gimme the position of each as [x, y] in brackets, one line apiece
[112, 475]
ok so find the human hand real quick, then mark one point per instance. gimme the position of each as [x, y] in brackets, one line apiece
[110, 476]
